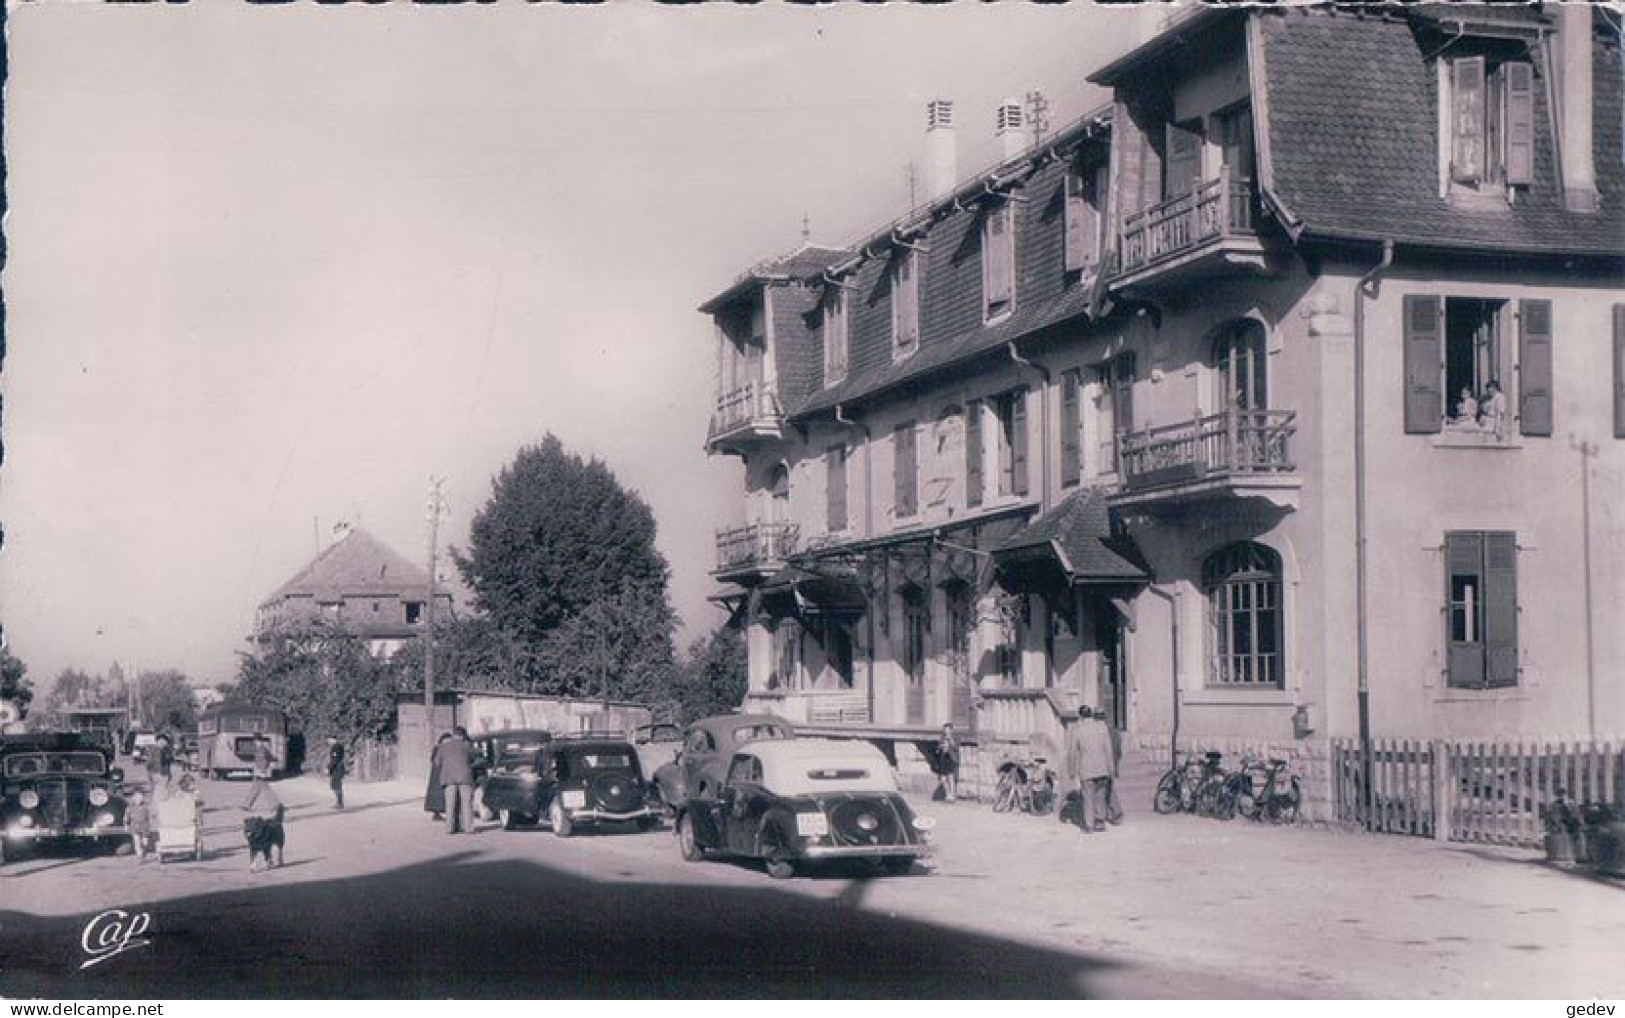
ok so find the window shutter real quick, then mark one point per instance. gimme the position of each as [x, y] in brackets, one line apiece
[1500, 608]
[1018, 442]
[1520, 122]
[1619, 370]
[1081, 227]
[1184, 161]
[973, 454]
[904, 469]
[835, 471]
[1535, 367]
[1467, 120]
[1424, 405]
[997, 275]
[1123, 393]
[1464, 556]
[1070, 466]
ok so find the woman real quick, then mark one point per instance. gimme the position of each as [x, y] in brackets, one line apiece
[945, 764]
[434, 797]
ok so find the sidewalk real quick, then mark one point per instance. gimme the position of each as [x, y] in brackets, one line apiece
[1332, 913]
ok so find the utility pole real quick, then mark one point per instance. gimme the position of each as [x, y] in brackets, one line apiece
[436, 509]
[1588, 451]
[913, 176]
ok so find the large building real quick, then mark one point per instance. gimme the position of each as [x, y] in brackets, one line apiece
[358, 584]
[1282, 400]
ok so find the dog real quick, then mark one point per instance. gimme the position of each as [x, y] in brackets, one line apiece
[264, 834]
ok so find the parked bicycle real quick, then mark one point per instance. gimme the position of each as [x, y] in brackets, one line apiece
[1190, 785]
[1025, 786]
[1260, 791]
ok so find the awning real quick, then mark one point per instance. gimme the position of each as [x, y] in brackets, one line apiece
[1074, 542]
[794, 590]
[734, 599]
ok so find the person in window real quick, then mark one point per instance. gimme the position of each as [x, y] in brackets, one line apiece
[1466, 407]
[945, 764]
[1492, 412]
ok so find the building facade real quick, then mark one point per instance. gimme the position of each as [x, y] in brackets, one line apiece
[1274, 403]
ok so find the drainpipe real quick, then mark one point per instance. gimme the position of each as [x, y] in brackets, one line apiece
[1361, 565]
[868, 531]
[1173, 613]
[1043, 428]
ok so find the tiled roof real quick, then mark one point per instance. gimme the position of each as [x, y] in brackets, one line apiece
[1353, 139]
[806, 262]
[1080, 531]
[358, 565]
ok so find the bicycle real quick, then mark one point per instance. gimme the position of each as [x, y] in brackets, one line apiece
[1025, 786]
[1178, 788]
[1276, 801]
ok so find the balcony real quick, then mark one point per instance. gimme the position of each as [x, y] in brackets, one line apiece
[755, 548]
[745, 415]
[1235, 454]
[1206, 233]
[833, 707]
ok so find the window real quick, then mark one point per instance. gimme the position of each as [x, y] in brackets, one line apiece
[1085, 221]
[998, 261]
[835, 487]
[1114, 408]
[961, 620]
[916, 624]
[835, 334]
[1242, 583]
[1012, 437]
[778, 495]
[905, 303]
[745, 770]
[1459, 363]
[1239, 367]
[1481, 605]
[1184, 160]
[905, 468]
[1071, 428]
[1488, 121]
[786, 655]
[975, 478]
[836, 640]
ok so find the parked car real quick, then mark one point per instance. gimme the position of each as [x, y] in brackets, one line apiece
[708, 744]
[505, 757]
[573, 782]
[58, 787]
[137, 744]
[792, 802]
[658, 745]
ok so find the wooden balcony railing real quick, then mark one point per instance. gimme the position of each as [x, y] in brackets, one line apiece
[755, 544]
[754, 404]
[812, 706]
[1216, 209]
[1231, 443]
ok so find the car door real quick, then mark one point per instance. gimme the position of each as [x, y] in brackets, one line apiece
[698, 752]
[740, 803]
[505, 784]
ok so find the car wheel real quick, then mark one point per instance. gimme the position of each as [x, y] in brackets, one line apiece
[780, 866]
[510, 820]
[559, 820]
[686, 842]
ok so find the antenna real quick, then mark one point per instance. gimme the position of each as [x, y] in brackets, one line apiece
[1038, 115]
[912, 174]
[806, 228]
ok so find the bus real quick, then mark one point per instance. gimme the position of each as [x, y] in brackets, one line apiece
[227, 737]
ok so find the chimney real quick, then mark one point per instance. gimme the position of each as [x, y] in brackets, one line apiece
[1012, 140]
[942, 171]
[1575, 108]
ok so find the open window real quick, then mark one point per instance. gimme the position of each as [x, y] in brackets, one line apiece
[1481, 606]
[1487, 105]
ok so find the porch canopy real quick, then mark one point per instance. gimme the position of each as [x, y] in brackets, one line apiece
[1074, 544]
[826, 591]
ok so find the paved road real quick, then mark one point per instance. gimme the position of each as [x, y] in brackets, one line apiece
[378, 901]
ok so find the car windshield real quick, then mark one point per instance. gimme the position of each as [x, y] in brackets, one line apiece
[838, 773]
[599, 761]
[519, 746]
[759, 732]
[27, 764]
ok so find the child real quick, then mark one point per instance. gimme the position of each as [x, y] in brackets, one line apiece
[139, 819]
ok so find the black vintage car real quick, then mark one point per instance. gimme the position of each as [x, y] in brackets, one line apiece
[794, 801]
[58, 787]
[696, 770]
[572, 781]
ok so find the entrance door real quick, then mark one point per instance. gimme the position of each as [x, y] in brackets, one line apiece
[1113, 666]
[916, 625]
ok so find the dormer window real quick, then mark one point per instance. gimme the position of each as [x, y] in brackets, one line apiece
[835, 333]
[1487, 122]
[998, 261]
[905, 303]
[1085, 201]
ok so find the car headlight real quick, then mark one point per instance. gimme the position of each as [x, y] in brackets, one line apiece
[98, 796]
[812, 825]
[104, 820]
[575, 799]
[29, 799]
[924, 823]
[25, 821]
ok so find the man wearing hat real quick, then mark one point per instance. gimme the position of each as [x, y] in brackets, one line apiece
[335, 771]
[1089, 761]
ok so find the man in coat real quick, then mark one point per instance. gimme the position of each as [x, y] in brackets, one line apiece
[456, 767]
[1089, 761]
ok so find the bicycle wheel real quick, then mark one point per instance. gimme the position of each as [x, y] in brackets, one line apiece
[1287, 804]
[1024, 796]
[1207, 797]
[1004, 795]
[1167, 799]
[1225, 809]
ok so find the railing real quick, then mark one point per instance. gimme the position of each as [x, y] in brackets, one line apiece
[1028, 716]
[1213, 210]
[1222, 444]
[812, 706]
[755, 544]
[1474, 791]
[755, 402]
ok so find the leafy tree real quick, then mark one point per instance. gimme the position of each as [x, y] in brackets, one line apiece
[713, 677]
[469, 653]
[14, 682]
[167, 701]
[75, 688]
[327, 683]
[615, 648]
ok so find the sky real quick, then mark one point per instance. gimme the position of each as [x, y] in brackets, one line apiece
[273, 267]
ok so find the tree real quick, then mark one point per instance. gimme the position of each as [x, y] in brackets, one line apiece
[14, 683]
[327, 683]
[562, 561]
[75, 688]
[167, 702]
[713, 677]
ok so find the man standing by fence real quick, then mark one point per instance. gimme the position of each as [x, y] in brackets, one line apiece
[456, 769]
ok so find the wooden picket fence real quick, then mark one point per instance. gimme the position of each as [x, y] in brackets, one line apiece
[1483, 791]
[374, 761]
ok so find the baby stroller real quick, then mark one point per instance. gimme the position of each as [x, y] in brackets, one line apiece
[180, 833]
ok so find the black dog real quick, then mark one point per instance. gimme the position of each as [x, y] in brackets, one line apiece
[264, 834]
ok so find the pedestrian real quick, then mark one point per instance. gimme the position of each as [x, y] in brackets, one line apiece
[166, 757]
[262, 773]
[457, 780]
[335, 771]
[1089, 762]
[138, 818]
[945, 764]
[155, 764]
[1114, 803]
[434, 796]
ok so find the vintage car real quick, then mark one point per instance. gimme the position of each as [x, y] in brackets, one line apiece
[57, 787]
[708, 745]
[793, 802]
[573, 781]
[658, 745]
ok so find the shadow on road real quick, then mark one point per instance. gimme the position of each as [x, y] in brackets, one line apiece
[456, 927]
